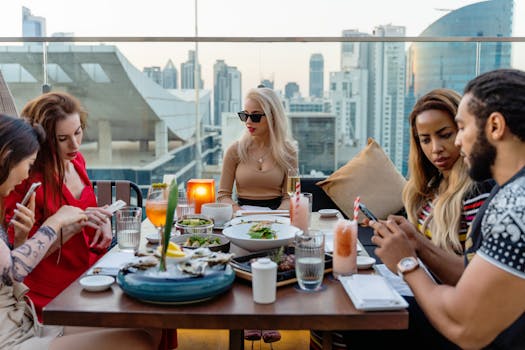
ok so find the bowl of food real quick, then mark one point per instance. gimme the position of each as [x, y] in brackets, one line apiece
[194, 223]
[216, 243]
[261, 235]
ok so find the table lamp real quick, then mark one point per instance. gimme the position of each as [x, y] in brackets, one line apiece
[201, 191]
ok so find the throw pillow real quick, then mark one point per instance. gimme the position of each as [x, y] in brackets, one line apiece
[370, 175]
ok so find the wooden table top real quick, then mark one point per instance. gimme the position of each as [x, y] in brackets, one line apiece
[330, 309]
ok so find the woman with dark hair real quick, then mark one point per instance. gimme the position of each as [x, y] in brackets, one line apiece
[61, 169]
[19, 326]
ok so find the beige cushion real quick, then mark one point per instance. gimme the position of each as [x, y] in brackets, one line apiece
[370, 175]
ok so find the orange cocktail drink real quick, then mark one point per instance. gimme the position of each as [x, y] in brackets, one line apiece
[345, 248]
[156, 212]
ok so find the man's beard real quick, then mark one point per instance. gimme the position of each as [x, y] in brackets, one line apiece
[482, 158]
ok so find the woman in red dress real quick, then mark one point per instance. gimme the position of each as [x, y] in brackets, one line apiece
[62, 170]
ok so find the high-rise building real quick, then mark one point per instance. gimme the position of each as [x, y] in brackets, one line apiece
[387, 93]
[453, 64]
[267, 83]
[349, 104]
[154, 73]
[187, 73]
[170, 76]
[316, 75]
[226, 90]
[315, 135]
[354, 54]
[291, 89]
[32, 26]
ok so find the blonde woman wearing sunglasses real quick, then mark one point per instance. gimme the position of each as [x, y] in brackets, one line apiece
[258, 162]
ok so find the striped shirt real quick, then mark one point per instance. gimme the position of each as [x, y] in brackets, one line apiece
[471, 204]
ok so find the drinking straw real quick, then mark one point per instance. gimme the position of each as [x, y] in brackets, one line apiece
[297, 194]
[356, 207]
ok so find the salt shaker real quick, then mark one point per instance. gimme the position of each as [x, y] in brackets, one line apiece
[264, 281]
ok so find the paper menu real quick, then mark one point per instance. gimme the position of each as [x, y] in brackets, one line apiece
[372, 292]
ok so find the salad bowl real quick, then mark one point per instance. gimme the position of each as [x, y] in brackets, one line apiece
[284, 234]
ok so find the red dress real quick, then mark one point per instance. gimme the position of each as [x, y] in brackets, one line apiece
[50, 277]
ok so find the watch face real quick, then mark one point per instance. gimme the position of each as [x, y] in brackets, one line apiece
[407, 263]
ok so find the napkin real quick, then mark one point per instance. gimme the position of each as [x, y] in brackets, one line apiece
[371, 292]
[255, 210]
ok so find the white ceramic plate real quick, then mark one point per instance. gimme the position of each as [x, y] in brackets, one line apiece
[328, 213]
[239, 236]
[365, 262]
[152, 237]
[96, 283]
[251, 219]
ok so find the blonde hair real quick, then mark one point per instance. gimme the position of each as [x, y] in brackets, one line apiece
[425, 181]
[281, 145]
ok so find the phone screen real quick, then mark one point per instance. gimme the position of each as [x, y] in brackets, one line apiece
[367, 212]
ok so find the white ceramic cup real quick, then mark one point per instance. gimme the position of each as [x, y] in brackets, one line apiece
[219, 212]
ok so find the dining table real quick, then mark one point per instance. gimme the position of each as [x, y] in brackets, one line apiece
[326, 310]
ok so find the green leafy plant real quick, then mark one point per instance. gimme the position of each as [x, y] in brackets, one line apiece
[173, 197]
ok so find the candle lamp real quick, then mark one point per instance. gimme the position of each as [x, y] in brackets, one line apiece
[201, 191]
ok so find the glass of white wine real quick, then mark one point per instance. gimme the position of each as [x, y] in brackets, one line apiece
[292, 180]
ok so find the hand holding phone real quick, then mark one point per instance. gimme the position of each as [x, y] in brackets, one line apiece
[367, 212]
[27, 196]
[116, 206]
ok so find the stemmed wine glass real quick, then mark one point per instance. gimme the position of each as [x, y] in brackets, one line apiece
[157, 205]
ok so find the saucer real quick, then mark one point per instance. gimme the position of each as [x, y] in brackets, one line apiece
[152, 237]
[328, 213]
[365, 262]
[96, 283]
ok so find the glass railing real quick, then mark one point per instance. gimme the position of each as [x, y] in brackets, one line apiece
[143, 114]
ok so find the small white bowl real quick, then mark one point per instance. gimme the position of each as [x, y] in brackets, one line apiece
[365, 262]
[152, 237]
[328, 213]
[96, 283]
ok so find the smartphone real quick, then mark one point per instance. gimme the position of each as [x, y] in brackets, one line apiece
[24, 201]
[367, 212]
[116, 206]
[31, 190]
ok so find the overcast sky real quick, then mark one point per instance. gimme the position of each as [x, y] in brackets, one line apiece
[281, 62]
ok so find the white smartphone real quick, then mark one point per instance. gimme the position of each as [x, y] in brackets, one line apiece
[29, 192]
[116, 206]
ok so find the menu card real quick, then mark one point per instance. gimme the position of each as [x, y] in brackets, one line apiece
[372, 292]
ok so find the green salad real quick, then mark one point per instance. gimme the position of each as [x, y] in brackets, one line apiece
[262, 230]
[202, 241]
[194, 222]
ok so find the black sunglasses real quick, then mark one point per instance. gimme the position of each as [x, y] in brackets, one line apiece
[256, 117]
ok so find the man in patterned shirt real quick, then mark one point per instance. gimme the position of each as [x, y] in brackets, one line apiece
[486, 308]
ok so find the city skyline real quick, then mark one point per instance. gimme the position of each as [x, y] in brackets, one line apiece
[282, 63]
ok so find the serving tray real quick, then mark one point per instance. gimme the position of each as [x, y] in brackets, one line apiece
[241, 266]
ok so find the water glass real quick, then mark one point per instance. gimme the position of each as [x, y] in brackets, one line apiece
[128, 220]
[309, 260]
[185, 205]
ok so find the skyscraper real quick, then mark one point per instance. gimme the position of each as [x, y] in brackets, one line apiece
[452, 65]
[154, 73]
[316, 75]
[32, 26]
[187, 72]
[354, 54]
[387, 89]
[291, 89]
[267, 83]
[226, 90]
[170, 76]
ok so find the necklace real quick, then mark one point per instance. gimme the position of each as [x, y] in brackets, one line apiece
[260, 160]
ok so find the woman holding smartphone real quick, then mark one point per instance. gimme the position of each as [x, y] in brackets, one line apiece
[61, 169]
[19, 327]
